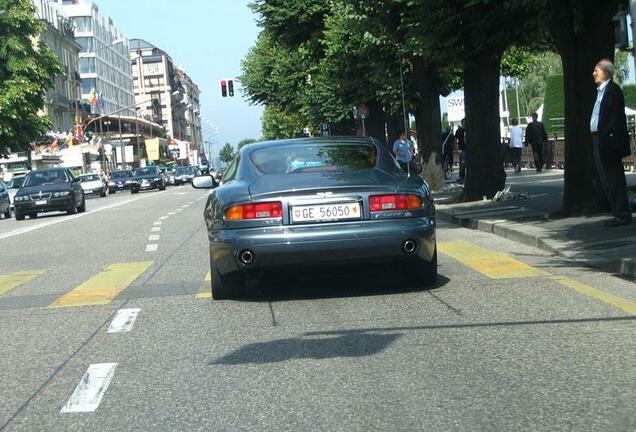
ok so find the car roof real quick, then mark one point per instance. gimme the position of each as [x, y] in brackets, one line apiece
[312, 140]
[49, 169]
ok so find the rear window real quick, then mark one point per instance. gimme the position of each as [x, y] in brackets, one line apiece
[145, 171]
[89, 178]
[121, 174]
[303, 158]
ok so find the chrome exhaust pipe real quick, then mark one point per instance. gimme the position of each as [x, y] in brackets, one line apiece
[409, 247]
[246, 257]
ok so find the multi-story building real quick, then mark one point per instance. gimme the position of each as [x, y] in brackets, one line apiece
[192, 113]
[103, 58]
[61, 100]
[154, 79]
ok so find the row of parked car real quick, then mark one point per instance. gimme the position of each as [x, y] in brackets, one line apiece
[58, 189]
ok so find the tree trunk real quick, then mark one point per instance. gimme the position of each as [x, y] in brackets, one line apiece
[428, 117]
[394, 124]
[485, 172]
[582, 32]
[375, 122]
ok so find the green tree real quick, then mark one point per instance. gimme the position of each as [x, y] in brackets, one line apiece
[582, 33]
[227, 153]
[278, 124]
[245, 142]
[27, 70]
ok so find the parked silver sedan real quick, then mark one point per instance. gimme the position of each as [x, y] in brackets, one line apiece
[316, 201]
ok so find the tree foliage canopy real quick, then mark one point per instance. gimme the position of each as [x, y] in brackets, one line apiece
[27, 70]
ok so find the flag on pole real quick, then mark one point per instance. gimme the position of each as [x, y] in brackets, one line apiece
[92, 97]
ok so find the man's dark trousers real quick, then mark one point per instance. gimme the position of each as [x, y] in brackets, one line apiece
[537, 152]
[612, 173]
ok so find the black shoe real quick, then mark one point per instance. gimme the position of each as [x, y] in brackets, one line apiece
[617, 222]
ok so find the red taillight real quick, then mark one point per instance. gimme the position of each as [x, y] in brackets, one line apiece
[394, 202]
[255, 211]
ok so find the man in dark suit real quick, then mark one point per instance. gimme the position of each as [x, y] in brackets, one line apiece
[536, 137]
[608, 125]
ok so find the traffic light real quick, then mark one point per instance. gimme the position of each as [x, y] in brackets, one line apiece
[230, 88]
[223, 88]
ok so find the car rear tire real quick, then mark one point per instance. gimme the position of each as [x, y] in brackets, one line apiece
[18, 216]
[82, 207]
[423, 273]
[132, 191]
[227, 287]
[7, 214]
[162, 188]
[33, 215]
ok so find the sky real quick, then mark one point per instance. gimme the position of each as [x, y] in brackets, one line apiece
[208, 38]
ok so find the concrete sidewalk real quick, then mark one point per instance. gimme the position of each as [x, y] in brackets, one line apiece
[527, 220]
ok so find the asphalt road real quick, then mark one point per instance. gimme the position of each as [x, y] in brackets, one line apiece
[511, 339]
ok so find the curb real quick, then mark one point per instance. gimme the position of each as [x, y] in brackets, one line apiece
[536, 237]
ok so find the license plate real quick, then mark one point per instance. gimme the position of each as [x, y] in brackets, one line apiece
[41, 202]
[326, 212]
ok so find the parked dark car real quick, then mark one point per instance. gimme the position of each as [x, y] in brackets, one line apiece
[185, 174]
[5, 202]
[120, 180]
[148, 178]
[46, 190]
[316, 201]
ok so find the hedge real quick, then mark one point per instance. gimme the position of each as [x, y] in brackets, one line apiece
[554, 104]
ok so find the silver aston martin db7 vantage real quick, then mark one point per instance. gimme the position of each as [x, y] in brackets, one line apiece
[316, 201]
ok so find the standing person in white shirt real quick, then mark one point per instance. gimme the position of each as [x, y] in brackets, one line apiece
[516, 144]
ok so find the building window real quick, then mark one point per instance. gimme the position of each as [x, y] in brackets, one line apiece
[87, 64]
[87, 44]
[87, 85]
[84, 24]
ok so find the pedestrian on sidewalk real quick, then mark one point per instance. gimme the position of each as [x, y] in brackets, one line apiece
[403, 149]
[537, 137]
[610, 141]
[460, 138]
[516, 144]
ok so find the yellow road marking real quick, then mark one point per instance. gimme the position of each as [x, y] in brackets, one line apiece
[618, 302]
[205, 291]
[495, 265]
[103, 287]
[14, 280]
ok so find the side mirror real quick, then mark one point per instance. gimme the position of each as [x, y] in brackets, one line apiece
[204, 182]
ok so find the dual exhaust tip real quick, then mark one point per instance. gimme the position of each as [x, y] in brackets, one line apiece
[409, 247]
[246, 256]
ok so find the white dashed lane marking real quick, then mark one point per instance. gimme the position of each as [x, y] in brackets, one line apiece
[155, 229]
[153, 237]
[152, 247]
[171, 213]
[123, 321]
[91, 389]
[157, 223]
[163, 218]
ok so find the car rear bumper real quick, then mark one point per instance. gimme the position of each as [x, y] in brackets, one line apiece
[52, 204]
[336, 243]
[94, 192]
[152, 185]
